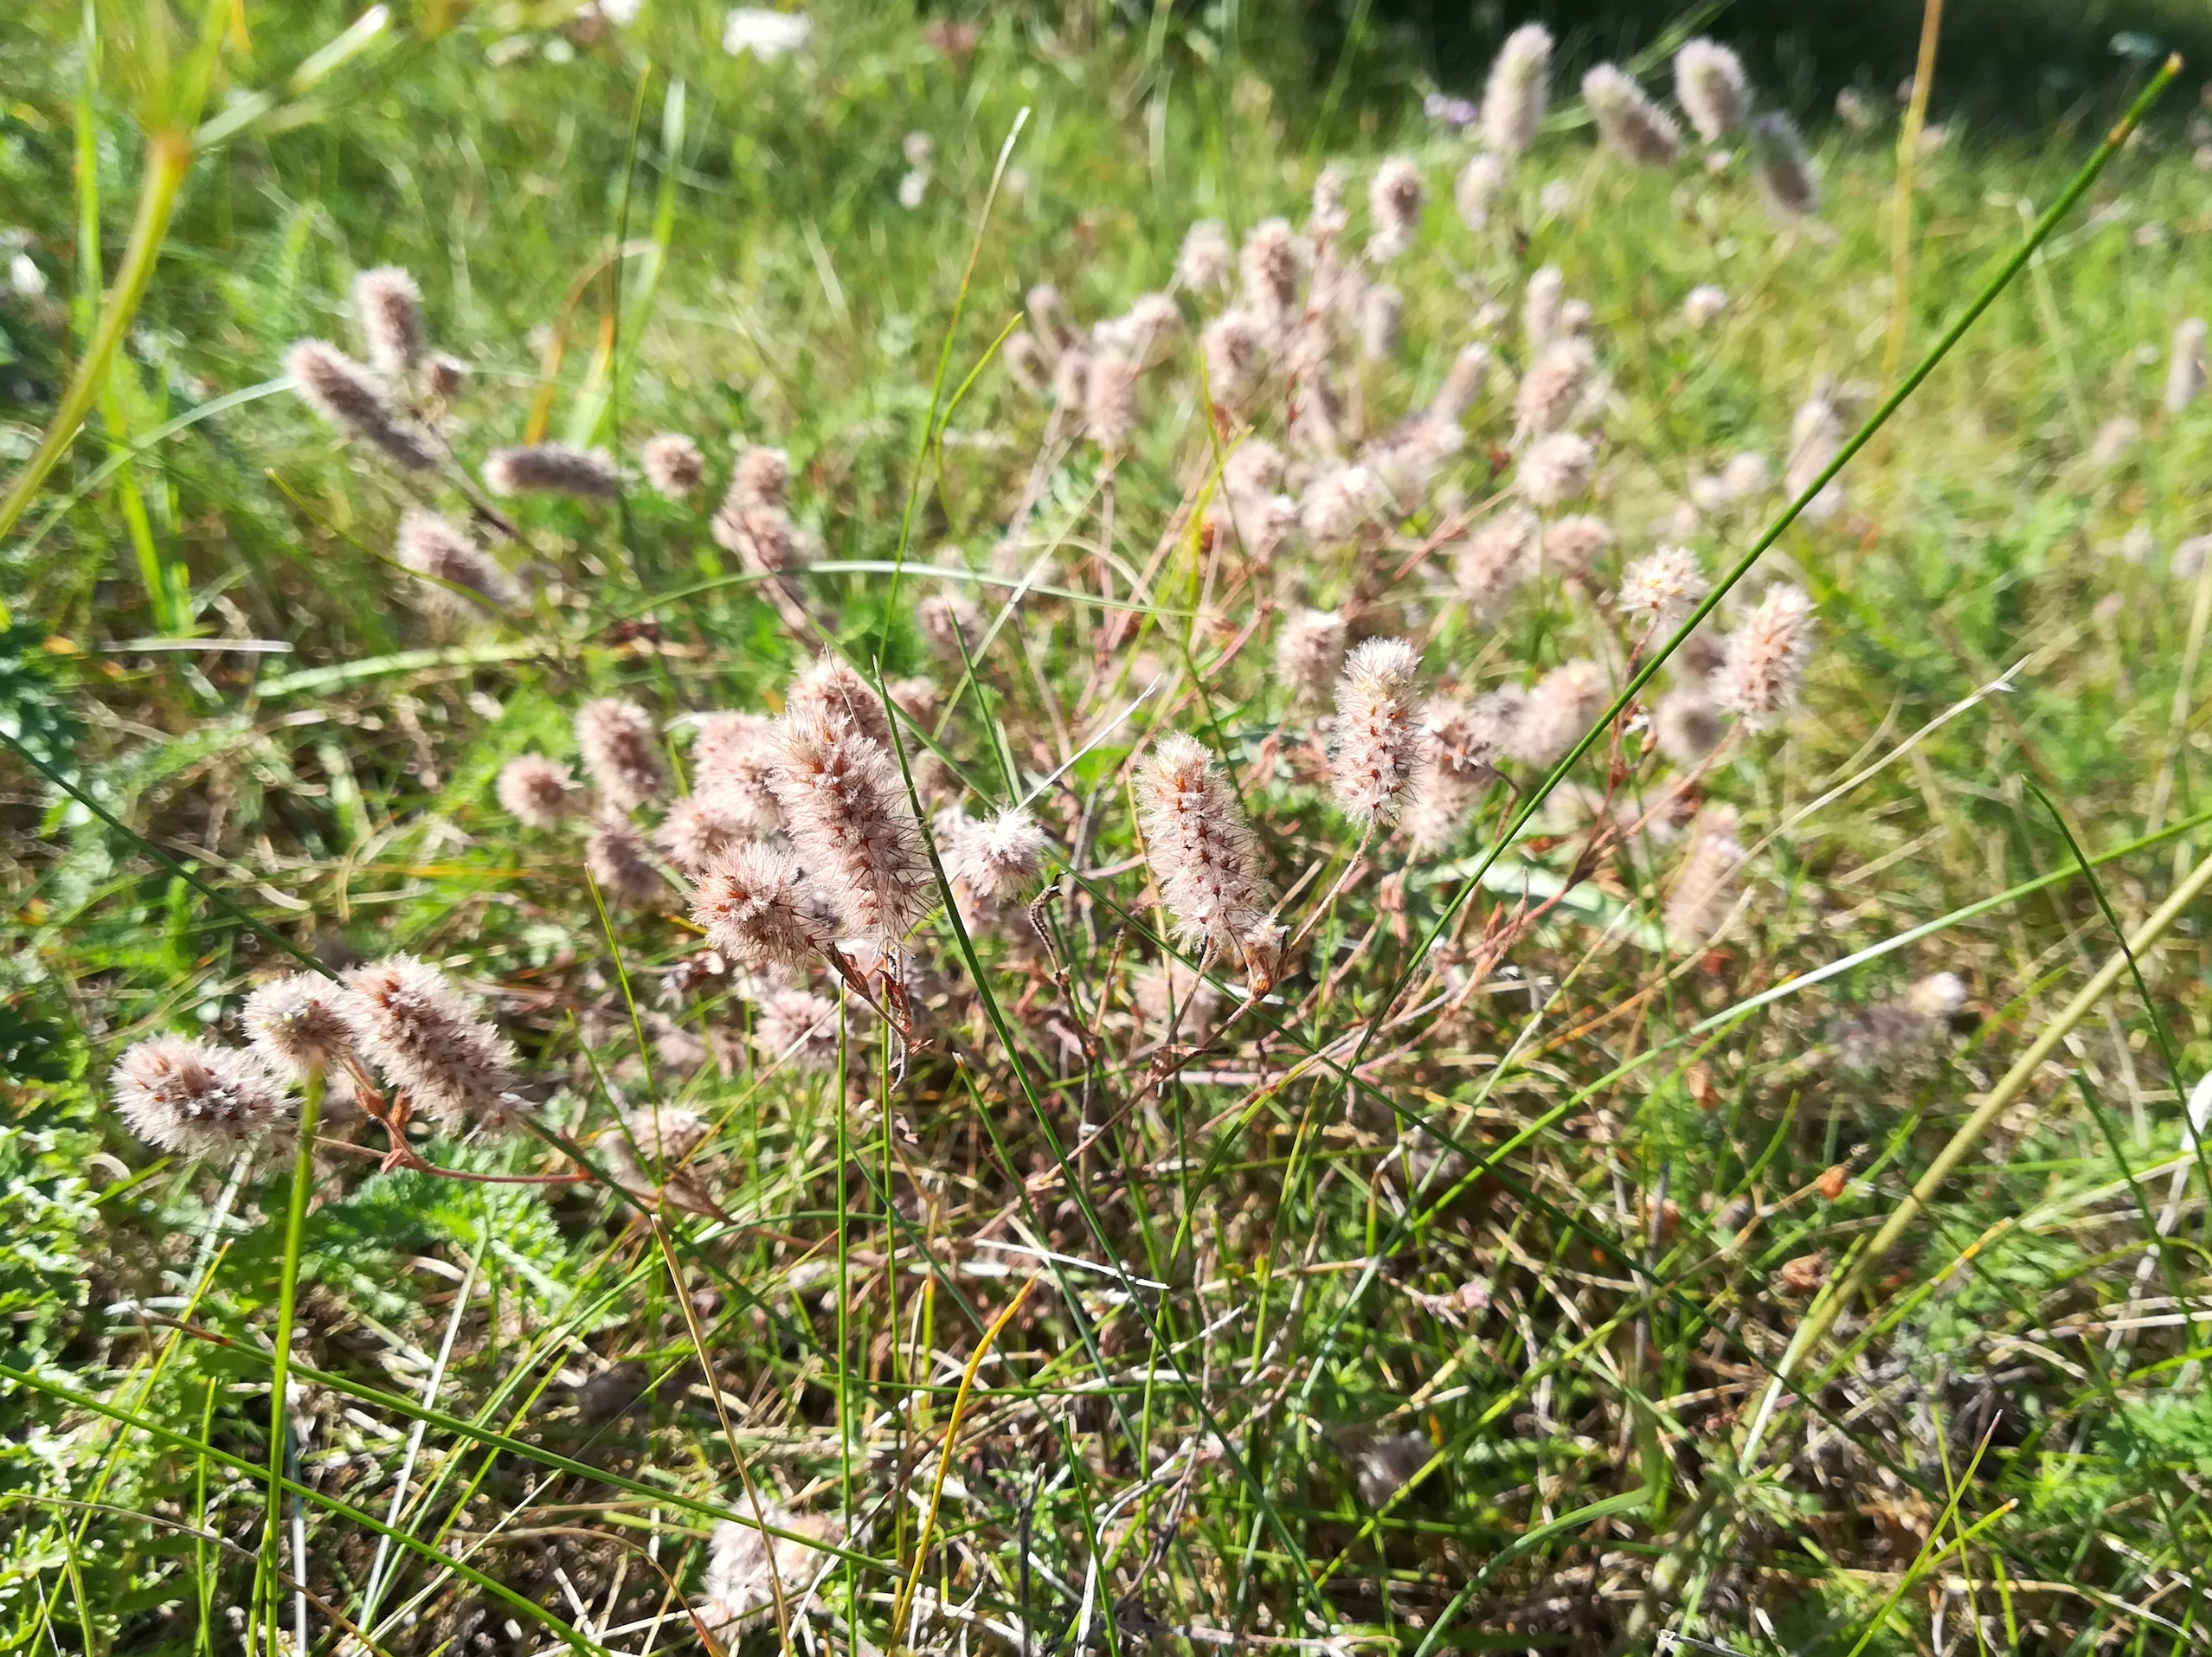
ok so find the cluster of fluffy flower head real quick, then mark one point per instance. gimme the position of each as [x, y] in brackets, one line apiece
[1206, 259]
[539, 793]
[1765, 658]
[1455, 747]
[1711, 88]
[1553, 390]
[1395, 197]
[1310, 653]
[1561, 707]
[829, 690]
[348, 396]
[429, 1040]
[297, 1023]
[1204, 858]
[1629, 123]
[448, 560]
[995, 858]
[552, 469]
[1659, 589]
[1519, 87]
[620, 750]
[1376, 731]
[749, 902]
[1493, 562]
[1557, 469]
[196, 1099]
[616, 859]
[796, 1028]
[673, 464]
[849, 816]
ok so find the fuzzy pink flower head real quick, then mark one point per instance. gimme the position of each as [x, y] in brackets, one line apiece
[1236, 346]
[297, 1023]
[1705, 888]
[949, 620]
[1395, 197]
[1764, 660]
[701, 826]
[1711, 88]
[1203, 855]
[1477, 188]
[389, 307]
[349, 398]
[1463, 384]
[852, 825]
[430, 1041]
[1686, 726]
[620, 750]
[1660, 589]
[1376, 730]
[616, 859]
[1310, 653]
[1206, 259]
[1493, 562]
[796, 1028]
[762, 477]
[536, 791]
[1573, 545]
[1274, 261]
[1540, 305]
[1519, 87]
[447, 559]
[1382, 321]
[995, 857]
[750, 904]
[1557, 469]
[195, 1099]
[1784, 169]
[1110, 401]
[1343, 503]
[732, 757]
[1555, 387]
[673, 464]
[829, 689]
[1629, 123]
[1561, 707]
[552, 469]
[748, 1572]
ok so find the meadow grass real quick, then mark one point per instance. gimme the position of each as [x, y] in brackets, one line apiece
[1607, 1225]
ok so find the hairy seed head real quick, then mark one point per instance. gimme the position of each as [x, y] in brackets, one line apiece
[1711, 88]
[536, 791]
[552, 469]
[1520, 85]
[1764, 658]
[196, 1099]
[620, 750]
[296, 1024]
[1203, 853]
[1629, 123]
[429, 1041]
[390, 308]
[673, 464]
[750, 904]
[1375, 731]
[348, 397]
[1559, 709]
[444, 557]
[852, 825]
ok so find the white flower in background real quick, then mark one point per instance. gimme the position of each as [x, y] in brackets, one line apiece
[621, 13]
[1555, 197]
[912, 187]
[25, 277]
[767, 34]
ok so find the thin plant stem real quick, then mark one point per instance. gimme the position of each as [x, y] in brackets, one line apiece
[295, 1228]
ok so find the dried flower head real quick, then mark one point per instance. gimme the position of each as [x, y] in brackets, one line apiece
[2185, 366]
[1629, 123]
[1395, 197]
[1554, 387]
[1686, 726]
[1207, 258]
[1310, 653]
[750, 904]
[615, 858]
[1274, 262]
[1456, 748]
[1493, 562]
[741, 1560]
[552, 469]
[1704, 304]
[1235, 343]
[429, 1041]
[849, 817]
[1711, 88]
[829, 689]
[1557, 469]
[1470, 368]
[1539, 308]
[1518, 86]
[1110, 401]
[732, 759]
[1784, 171]
[673, 464]
[1765, 658]
[1573, 545]
[195, 1099]
[1342, 503]
[1203, 855]
[1375, 731]
[297, 1023]
[620, 750]
[1705, 890]
[995, 858]
[389, 307]
[1477, 188]
[796, 1028]
[347, 397]
[536, 791]
[1382, 321]
[1745, 477]
[701, 826]
[448, 559]
[1661, 587]
[1561, 706]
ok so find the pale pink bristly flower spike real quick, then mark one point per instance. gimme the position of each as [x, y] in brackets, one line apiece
[1375, 731]
[615, 858]
[429, 1041]
[446, 558]
[1629, 123]
[1557, 469]
[552, 469]
[673, 464]
[1206, 259]
[1476, 189]
[1560, 708]
[749, 903]
[702, 825]
[1110, 401]
[195, 1099]
[829, 689]
[296, 1024]
[1784, 171]
[995, 858]
[348, 397]
[390, 309]
[621, 750]
[853, 824]
[1520, 85]
[732, 757]
[1454, 750]
[536, 791]
[1395, 197]
[1310, 653]
[1763, 659]
[1662, 587]
[1493, 562]
[1711, 88]
[1203, 855]
[1705, 890]
[796, 1028]
[1554, 388]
